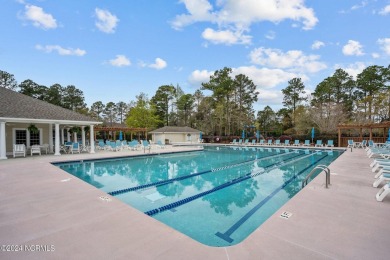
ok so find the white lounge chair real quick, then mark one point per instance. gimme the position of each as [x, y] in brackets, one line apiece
[318, 143]
[383, 192]
[306, 143]
[296, 143]
[159, 144]
[35, 149]
[384, 176]
[19, 149]
[330, 143]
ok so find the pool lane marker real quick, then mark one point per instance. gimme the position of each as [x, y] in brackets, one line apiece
[164, 182]
[226, 236]
[226, 184]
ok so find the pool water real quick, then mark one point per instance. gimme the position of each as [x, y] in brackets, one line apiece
[217, 196]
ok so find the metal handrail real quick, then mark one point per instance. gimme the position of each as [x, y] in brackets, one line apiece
[322, 168]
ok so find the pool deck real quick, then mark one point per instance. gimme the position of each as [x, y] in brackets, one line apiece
[43, 205]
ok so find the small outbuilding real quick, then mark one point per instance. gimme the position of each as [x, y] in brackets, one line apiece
[176, 134]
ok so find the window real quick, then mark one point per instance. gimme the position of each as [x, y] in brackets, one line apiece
[35, 138]
[21, 137]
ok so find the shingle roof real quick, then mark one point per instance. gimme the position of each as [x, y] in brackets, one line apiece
[175, 129]
[17, 105]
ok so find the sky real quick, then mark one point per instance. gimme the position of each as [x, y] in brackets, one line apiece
[114, 50]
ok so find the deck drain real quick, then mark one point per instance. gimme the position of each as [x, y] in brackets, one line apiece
[105, 198]
[286, 215]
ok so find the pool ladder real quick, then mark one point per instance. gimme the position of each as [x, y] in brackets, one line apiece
[323, 168]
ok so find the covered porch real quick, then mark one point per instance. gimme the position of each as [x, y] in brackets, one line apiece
[48, 133]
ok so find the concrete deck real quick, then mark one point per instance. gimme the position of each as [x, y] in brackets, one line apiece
[42, 205]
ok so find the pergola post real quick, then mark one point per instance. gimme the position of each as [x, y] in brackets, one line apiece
[91, 141]
[57, 139]
[339, 142]
[50, 138]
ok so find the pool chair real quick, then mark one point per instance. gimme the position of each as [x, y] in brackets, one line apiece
[133, 145]
[306, 143]
[318, 143]
[351, 144]
[159, 144]
[246, 142]
[35, 149]
[269, 142]
[379, 163]
[112, 146]
[286, 142]
[234, 141]
[296, 143]
[330, 143]
[240, 141]
[383, 192]
[19, 149]
[363, 144]
[384, 176]
[261, 142]
[277, 142]
[145, 145]
[75, 148]
[253, 142]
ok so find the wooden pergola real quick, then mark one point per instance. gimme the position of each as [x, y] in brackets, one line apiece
[125, 130]
[343, 141]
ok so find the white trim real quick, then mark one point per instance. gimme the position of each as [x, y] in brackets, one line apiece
[47, 121]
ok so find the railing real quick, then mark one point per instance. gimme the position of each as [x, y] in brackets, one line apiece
[322, 168]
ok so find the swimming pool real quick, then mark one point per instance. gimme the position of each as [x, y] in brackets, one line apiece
[217, 196]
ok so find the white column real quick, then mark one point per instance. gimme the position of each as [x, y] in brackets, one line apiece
[62, 136]
[68, 135]
[2, 141]
[91, 139]
[75, 137]
[50, 138]
[83, 136]
[57, 140]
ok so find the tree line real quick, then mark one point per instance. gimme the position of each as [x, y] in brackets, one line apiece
[223, 106]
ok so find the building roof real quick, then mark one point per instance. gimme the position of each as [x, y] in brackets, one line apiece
[15, 106]
[175, 129]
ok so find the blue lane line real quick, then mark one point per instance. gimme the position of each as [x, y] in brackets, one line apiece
[227, 184]
[164, 182]
[226, 236]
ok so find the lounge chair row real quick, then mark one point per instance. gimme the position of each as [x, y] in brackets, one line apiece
[131, 145]
[279, 143]
[381, 167]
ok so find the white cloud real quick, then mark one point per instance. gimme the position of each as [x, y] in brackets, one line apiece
[198, 76]
[385, 10]
[60, 50]
[106, 21]
[39, 18]
[317, 44]
[375, 55]
[270, 97]
[293, 59]
[358, 6]
[238, 15]
[262, 77]
[225, 37]
[158, 64]
[353, 48]
[120, 61]
[385, 45]
[352, 69]
[271, 35]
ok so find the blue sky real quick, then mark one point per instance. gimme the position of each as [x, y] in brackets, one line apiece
[114, 50]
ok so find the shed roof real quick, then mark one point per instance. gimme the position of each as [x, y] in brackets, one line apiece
[14, 105]
[175, 129]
